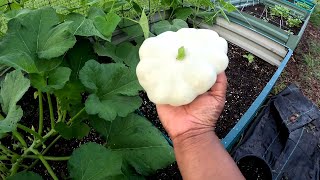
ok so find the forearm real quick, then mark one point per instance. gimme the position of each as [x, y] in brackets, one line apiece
[200, 155]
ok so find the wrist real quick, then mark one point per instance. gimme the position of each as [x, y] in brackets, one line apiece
[195, 139]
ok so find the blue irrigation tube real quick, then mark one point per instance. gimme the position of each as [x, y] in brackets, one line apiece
[245, 120]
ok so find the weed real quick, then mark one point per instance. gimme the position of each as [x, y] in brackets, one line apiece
[315, 17]
[249, 57]
[280, 11]
[312, 59]
[293, 22]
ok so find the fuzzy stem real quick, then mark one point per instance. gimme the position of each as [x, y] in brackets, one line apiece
[64, 115]
[16, 134]
[76, 116]
[51, 111]
[6, 151]
[28, 130]
[45, 163]
[45, 151]
[40, 113]
[16, 165]
[50, 158]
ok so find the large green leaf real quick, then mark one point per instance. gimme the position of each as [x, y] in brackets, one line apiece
[113, 87]
[53, 80]
[82, 26]
[92, 161]
[25, 175]
[76, 57]
[131, 28]
[124, 52]
[128, 53]
[183, 13]
[34, 41]
[139, 143]
[107, 24]
[76, 130]
[13, 87]
[165, 25]
[70, 95]
[107, 49]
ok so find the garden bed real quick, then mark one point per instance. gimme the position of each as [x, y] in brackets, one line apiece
[263, 12]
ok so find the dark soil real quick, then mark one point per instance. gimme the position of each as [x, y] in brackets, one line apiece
[254, 169]
[245, 82]
[62, 148]
[263, 12]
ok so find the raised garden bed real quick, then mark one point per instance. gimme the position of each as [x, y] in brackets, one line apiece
[265, 13]
[246, 81]
[268, 30]
[304, 4]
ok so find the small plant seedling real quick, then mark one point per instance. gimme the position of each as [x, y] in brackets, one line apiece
[280, 11]
[293, 22]
[249, 57]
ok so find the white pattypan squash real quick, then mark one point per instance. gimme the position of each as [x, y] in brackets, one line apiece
[176, 67]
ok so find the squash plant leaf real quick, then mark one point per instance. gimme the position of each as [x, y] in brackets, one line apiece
[123, 53]
[107, 24]
[77, 130]
[107, 49]
[163, 26]
[137, 141]
[53, 80]
[144, 23]
[128, 53]
[82, 26]
[70, 95]
[93, 161]
[34, 40]
[25, 175]
[113, 88]
[13, 87]
[131, 28]
[76, 57]
[183, 13]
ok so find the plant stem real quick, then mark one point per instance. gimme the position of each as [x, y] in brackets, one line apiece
[51, 111]
[50, 158]
[6, 150]
[15, 166]
[40, 113]
[45, 151]
[64, 115]
[3, 158]
[52, 131]
[28, 130]
[76, 116]
[45, 163]
[16, 134]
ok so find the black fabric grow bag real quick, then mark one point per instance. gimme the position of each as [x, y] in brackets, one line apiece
[284, 141]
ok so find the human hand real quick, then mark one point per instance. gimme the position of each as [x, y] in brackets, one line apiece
[199, 116]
